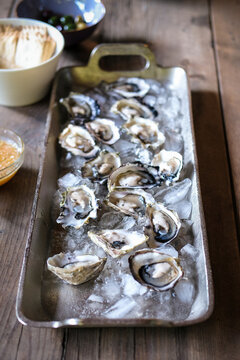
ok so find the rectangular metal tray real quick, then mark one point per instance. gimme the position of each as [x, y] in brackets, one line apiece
[30, 307]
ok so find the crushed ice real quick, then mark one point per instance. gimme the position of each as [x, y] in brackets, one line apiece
[115, 290]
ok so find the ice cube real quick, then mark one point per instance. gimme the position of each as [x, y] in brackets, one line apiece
[72, 161]
[132, 287]
[189, 251]
[111, 289]
[185, 291]
[124, 146]
[169, 250]
[110, 220]
[94, 308]
[174, 193]
[149, 100]
[174, 141]
[95, 298]
[122, 263]
[183, 209]
[121, 308]
[68, 180]
[127, 223]
[173, 106]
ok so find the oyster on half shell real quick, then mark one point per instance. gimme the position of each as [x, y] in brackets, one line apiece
[129, 108]
[78, 204]
[130, 87]
[170, 165]
[131, 202]
[155, 269]
[104, 130]
[78, 141]
[163, 224]
[102, 166]
[74, 267]
[117, 242]
[145, 132]
[132, 176]
[81, 106]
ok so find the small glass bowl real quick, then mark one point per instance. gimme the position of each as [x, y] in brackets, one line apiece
[11, 138]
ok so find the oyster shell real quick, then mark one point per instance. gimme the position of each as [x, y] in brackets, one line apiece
[163, 224]
[131, 202]
[78, 204]
[81, 106]
[144, 132]
[78, 141]
[129, 108]
[130, 87]
[101, 167]
[155, 269]
[117, 242]
[132, 176]
[75, 268]
[170, 165]
[104, 130]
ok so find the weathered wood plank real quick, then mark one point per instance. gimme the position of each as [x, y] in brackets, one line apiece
[16, 202]
[117, 344]
[16, 199]
[225, 22]
[40, 344]
[82, 344]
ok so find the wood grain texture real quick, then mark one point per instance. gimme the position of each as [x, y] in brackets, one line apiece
[16, 199]
[180, 33]
[82, 344]
[225, 21]
[117, 344]
[16, 203]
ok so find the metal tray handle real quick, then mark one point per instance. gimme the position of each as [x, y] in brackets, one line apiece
[142, 50]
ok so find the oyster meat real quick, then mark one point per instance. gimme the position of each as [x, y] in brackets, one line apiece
[117, 242]
[130, 87]
[78, 204]
[104, 130]
[78, 141]
[163, 224]
[102, 166]
[132, 176]
[129, 108]
[145, 132]
[170, 165]
[155, 269]
[81, 106]
[74, 267]
[130, 202]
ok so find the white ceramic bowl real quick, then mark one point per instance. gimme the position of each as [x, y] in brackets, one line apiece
[20, 87]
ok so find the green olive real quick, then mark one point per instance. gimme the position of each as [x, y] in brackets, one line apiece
[54, 20]
[65, 20]
[70, 26]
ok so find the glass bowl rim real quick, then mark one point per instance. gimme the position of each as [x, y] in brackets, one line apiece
[22, 148]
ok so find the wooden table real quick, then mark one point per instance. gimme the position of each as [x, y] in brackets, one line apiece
[204, 37]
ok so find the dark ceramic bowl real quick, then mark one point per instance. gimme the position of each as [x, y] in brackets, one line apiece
[92, 11]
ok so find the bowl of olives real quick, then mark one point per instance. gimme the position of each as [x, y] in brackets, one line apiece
[76, 19]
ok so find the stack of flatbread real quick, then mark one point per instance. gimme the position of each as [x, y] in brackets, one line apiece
[24, 46]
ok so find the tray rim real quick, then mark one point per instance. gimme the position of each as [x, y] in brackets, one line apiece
[96, 322]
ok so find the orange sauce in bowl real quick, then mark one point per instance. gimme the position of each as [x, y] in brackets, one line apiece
[8, 155]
